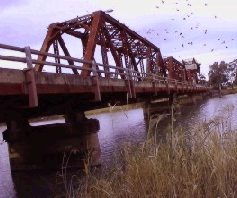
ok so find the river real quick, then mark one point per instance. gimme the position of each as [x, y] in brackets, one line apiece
[117, 128]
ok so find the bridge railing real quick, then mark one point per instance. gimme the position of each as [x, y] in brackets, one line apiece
[108, 71]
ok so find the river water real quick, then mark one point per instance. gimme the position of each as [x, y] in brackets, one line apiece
[116, 129]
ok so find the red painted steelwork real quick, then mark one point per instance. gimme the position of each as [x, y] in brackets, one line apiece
[139, 68]
[128, 49]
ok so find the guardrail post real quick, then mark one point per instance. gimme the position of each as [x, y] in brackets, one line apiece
[128, 83]
[167, 85]
[154, 84]
[95, 81]
[132, 83]
[30, 80]
[176, 85]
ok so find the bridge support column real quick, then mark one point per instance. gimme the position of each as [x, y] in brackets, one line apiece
[152, 108]
[17, 127]
[53, 146]
[87, 128]
[146, 110]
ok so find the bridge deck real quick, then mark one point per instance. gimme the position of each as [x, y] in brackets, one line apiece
[13, 82]
[40, 93]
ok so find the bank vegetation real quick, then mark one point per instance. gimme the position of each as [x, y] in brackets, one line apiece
[200, 161]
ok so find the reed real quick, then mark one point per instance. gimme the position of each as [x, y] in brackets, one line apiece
[199, 162]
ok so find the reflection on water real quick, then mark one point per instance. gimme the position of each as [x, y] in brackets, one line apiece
[117, 128]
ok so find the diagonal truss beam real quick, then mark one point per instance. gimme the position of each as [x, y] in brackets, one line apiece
[66, 52]
[92, 39]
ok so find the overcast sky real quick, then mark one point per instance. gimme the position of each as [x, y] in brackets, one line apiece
[204, 29]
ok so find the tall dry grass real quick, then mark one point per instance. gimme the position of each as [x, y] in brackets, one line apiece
[200, 162]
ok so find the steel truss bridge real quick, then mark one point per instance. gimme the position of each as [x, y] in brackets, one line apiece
[130, 68]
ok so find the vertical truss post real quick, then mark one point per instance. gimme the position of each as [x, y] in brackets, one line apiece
[105, 61]
[84, 41]
[142, 68]
[128, 82]
[148, 61]
[171, 68]
[95, 81]
[116, 55]
[104, 55]
[160, 62]
[120, 65]
[130, 60]
[154, 84]
[30, 80]
[184, 75]
[57, 59]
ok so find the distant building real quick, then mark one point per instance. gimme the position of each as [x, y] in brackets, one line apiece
[192, 69]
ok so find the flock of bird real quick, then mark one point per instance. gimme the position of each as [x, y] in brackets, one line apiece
[220, 41]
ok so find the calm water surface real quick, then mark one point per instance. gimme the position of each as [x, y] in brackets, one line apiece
[116, 129]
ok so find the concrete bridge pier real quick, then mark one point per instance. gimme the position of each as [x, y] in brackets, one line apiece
[72, 144]
[161, 107]
[88, 129]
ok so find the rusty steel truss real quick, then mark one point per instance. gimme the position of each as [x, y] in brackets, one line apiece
[137, 71]
[128, 49]
[176, 70]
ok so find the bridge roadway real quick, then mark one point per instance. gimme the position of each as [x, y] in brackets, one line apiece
[39, 93]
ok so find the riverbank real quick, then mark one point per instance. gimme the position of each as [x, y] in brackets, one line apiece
[229, 91]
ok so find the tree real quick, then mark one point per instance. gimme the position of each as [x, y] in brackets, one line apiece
[233, 72]
[218, 74]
